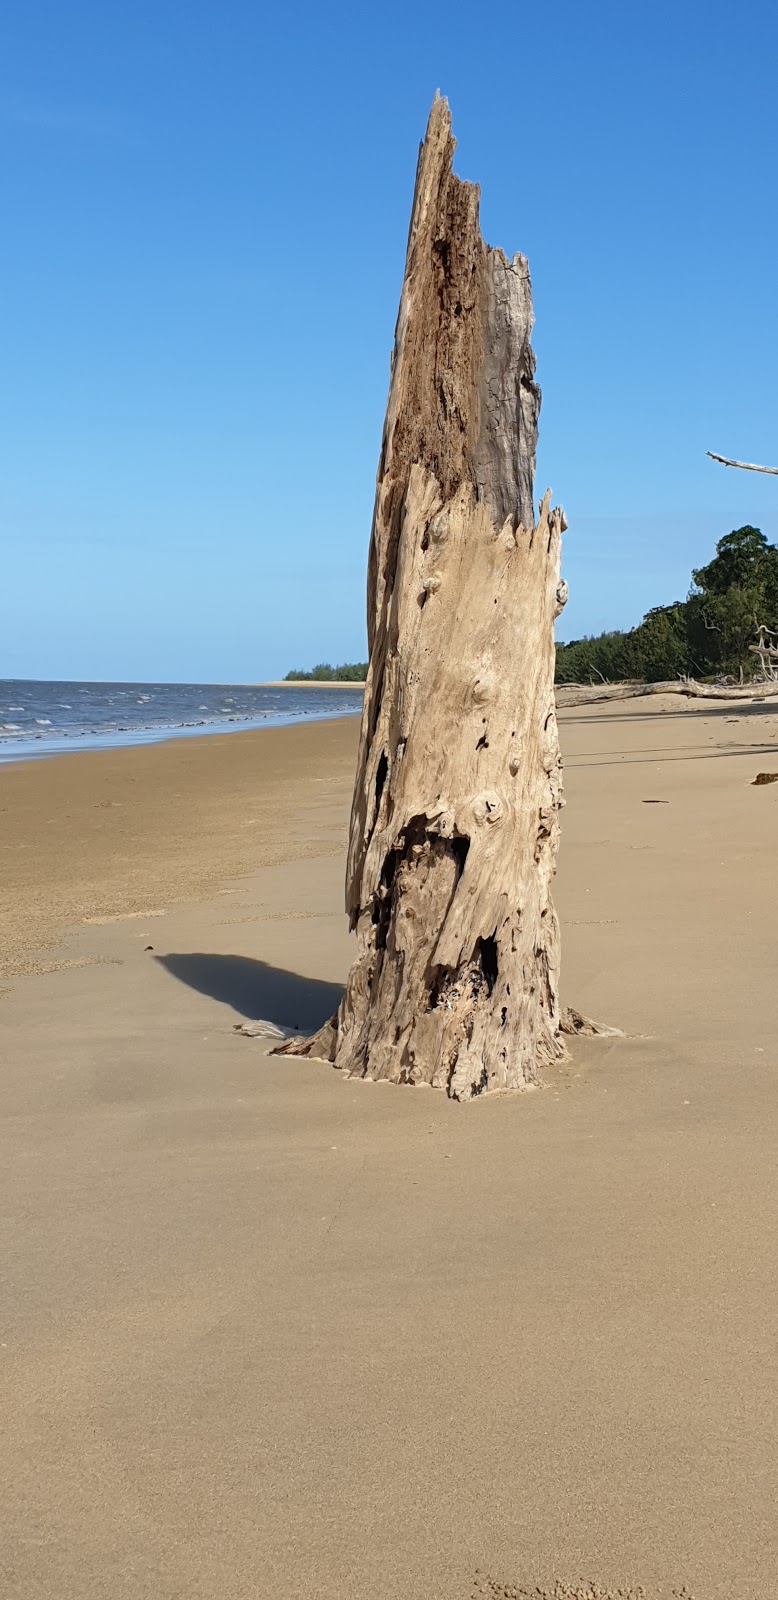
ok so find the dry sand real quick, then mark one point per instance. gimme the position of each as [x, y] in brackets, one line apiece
[268, 1333]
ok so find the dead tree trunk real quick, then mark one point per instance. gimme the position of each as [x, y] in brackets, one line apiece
[454, 826]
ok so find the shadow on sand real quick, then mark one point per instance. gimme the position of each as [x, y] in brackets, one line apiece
[256, 990]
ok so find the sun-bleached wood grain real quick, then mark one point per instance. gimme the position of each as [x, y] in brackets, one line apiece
[455, 820]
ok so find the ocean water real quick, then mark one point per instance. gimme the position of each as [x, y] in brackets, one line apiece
[41, 719]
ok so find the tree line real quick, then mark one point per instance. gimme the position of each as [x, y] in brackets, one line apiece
[349, 672]
[706, 635]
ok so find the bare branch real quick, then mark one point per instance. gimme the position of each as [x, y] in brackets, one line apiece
[767, 653]
[747, 466]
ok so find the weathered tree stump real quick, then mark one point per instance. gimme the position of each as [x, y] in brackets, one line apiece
[454, 826]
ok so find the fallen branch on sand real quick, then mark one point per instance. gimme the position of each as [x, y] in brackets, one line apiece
[579, 694]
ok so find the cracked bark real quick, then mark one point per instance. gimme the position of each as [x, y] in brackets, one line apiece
[454, 826]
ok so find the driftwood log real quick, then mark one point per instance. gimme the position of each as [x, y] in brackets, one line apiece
[575, 694]
[454, 827]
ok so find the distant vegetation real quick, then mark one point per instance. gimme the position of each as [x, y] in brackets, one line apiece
[350, 672]
[705, 635]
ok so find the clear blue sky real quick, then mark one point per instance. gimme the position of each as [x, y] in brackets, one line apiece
[204, 214]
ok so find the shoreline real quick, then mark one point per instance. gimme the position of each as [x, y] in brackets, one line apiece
[40, 747]
[310, 683]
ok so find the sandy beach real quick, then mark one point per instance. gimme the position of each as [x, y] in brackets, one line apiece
[270, 1333]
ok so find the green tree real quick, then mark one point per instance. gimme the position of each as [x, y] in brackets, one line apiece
[708, 633]
[729, 598]
[660, 644]
[743, 560]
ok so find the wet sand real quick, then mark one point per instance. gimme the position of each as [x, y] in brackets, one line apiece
[270, 1333]
[114, 832]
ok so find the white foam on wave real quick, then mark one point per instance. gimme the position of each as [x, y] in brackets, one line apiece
[43, 722]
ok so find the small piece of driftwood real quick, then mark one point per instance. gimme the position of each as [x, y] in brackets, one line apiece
[263, 1030]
